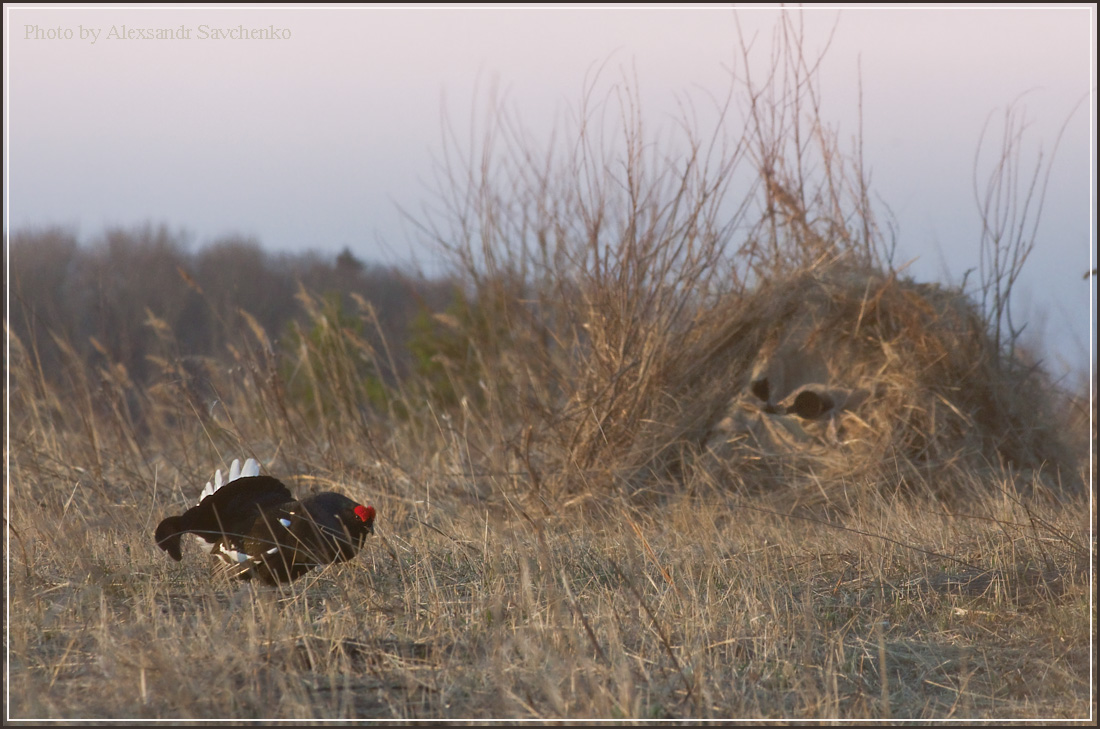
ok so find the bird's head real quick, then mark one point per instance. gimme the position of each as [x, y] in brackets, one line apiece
[365, 514]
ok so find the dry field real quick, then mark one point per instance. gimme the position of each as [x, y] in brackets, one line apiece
[706, 607]
[595, 497]
[509, 579]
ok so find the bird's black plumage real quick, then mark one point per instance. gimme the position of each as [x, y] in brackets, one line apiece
[254, 524]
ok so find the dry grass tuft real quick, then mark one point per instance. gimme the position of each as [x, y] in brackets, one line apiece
[922, 395]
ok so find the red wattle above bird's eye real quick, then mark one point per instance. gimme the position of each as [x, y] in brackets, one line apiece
[365, 513]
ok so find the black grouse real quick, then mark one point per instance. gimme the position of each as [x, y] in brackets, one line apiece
[253, 523]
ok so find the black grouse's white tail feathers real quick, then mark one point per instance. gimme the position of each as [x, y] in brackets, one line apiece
[251, 468]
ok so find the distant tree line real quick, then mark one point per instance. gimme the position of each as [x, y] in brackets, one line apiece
[101, 297]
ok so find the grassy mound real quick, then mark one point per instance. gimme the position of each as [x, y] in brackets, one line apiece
[916, 390]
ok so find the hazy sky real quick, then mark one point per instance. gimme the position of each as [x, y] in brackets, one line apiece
[314, 138]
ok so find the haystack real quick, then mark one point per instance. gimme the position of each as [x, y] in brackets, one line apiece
[872, 377]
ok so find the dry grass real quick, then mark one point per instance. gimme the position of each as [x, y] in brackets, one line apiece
[569, 527]
[503, 583]
[708, 607]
